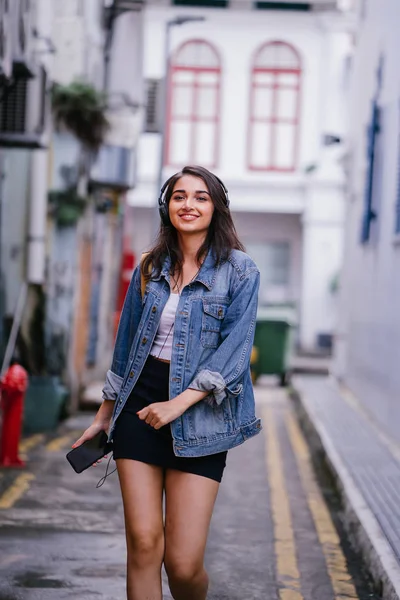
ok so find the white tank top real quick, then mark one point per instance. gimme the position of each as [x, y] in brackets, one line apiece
[162, 346]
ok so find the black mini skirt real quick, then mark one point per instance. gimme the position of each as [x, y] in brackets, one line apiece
[136, 440]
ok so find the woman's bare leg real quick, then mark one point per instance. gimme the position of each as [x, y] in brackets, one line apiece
[142, 491]
[189, 502]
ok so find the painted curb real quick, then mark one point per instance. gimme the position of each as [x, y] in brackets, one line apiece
[359, 521]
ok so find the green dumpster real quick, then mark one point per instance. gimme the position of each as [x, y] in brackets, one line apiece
[273, 342]
[44, 402]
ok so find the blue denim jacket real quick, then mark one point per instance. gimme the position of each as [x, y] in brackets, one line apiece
[212, 342]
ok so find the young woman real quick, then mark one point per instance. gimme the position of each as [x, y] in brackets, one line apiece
[179, 393]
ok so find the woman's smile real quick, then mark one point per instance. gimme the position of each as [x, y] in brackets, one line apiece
[188, 217]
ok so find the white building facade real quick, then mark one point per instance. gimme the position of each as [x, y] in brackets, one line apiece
[368, 336]
[251, 91]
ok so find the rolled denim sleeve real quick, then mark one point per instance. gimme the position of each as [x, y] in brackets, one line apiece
[112, 386]
[224, 370]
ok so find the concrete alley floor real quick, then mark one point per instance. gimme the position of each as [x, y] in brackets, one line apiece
[272, 536]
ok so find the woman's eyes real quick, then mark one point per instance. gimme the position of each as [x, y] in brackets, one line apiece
[200, 198]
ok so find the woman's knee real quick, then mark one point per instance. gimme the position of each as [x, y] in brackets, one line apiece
[183, 570]
[145, 547]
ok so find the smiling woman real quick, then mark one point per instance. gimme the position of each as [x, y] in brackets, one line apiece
[190, 207]
[179, 394]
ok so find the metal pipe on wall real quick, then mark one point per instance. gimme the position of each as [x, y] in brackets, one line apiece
[36, 248]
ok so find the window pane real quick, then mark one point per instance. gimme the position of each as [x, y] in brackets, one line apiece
[263, 98]
[277, 56]
[260, 147]
[277, 263]
[284, 146]
[179, 143]
[206, 102]
[289, 79]
[286, 104]
[273, 261]
[204, 144]
[207, 78]
[182, 101]
[196, 54]
[183, 77]
[261, 78]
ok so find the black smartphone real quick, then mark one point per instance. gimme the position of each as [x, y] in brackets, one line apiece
[89, 452]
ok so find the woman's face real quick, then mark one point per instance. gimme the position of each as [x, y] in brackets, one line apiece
[190, 207]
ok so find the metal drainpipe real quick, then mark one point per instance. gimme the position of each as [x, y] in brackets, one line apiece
[36, 249]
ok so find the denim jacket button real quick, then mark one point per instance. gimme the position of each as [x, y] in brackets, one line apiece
[131, 374]
[144, 340]
[154, 309]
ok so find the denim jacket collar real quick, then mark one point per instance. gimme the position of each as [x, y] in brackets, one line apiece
[206, 275]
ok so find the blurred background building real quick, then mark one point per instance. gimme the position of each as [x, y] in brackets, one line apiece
[256, 91]
[368, 331]
[102, 100]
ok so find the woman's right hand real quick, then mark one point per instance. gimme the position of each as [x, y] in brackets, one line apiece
[100, 423]
[90, 433]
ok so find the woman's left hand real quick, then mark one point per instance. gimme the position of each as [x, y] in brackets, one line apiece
[161, 413]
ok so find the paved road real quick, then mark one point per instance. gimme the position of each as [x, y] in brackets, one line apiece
[272, 535]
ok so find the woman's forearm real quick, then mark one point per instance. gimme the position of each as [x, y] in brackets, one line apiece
[190, 397]
[105, 411]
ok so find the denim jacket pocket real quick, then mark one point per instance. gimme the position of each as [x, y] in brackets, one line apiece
[213, 315]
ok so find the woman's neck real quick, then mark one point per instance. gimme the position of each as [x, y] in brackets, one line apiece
[190, 245]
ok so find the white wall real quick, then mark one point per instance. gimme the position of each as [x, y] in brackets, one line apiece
[323, 224]
[368, 354]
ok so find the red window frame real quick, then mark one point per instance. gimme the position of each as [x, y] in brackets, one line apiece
[194, 118]
[274, 119]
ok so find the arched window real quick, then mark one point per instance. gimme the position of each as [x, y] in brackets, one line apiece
[274, 108]
[194, 105]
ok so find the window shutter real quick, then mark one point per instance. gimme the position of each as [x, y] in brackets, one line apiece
[397, 216]
[153, 106]
[369, 214]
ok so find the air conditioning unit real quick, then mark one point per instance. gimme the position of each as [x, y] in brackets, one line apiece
[5, 39]
[22, 37]
[23, 113]
[115, 167]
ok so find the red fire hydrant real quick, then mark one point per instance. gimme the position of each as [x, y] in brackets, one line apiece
[13, 387]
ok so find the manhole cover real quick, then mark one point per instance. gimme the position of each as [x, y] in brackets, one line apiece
[105, 572]
[38, 580]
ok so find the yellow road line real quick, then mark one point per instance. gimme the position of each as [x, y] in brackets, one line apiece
[16, 490]
[285, 550]
[327, 535]
[59, 443]
[30, 442]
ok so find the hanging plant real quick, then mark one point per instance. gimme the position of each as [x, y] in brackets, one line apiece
[66, 206]
[81, 109]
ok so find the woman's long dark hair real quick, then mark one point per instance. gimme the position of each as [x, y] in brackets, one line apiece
[221, 236]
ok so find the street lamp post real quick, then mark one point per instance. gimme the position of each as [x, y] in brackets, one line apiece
[179, 20]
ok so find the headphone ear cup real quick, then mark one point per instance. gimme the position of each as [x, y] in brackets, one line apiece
[164, 214]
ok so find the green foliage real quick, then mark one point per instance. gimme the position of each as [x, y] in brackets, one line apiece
[66, 206]
[81, 109]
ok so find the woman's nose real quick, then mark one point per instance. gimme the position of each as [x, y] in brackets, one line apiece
[188, 202]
